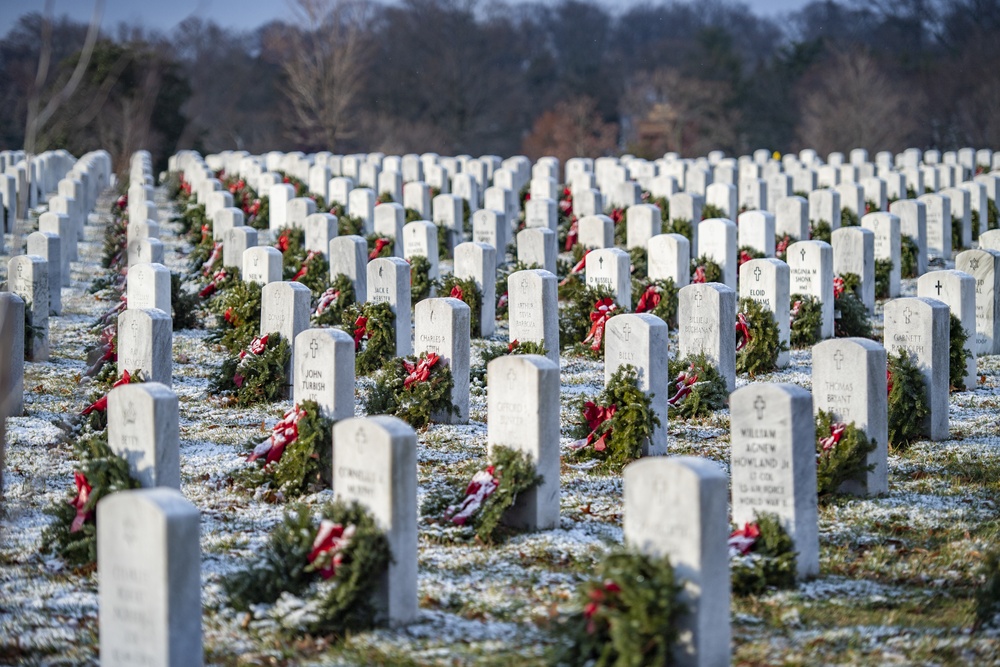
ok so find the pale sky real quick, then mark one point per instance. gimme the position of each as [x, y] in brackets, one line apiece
[241, 14]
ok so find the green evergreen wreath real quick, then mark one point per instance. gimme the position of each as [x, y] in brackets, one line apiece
[205, 256]
[420, 281]
[883, 269]
[185, 305]
[770, 562]
[850, 318]
[72, 535]
[974, 215]
[957, 354]
[513, 473]
[639, 259]
[620, 228]
[467, 291]
[193, 221]
[337, 605]
[375, 339]
[662, 203]
[956, 234]
[629, 615]
[842, 451]
[821, 231]
[574, 320]
[709, 211]
[680, 226]
[713, 272]
[114, 255]
[616, 424]
[254, 376]
[303, 465]
[992, 214]
[415, 403]
[908, 253]
[350, 225]
[238, 309]
[907, 403]
[443, 238]
[706, 394]
[665, 299]
[807, 320]
[334, 302]
[478, 373]
[760, 355]
[747, 253]
[848, 218]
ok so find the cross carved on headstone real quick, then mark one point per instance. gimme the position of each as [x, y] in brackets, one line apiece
[838, 357]
[938, 287]
[314, 347]
[802, 254]
[600, 262]
[627, 330]
[759, 406]
[697, 298]
[360, 437]
[757, 272]
[511, 376]
[907, 313]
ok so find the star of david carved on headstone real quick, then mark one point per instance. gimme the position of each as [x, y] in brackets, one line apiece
[756, 273]
[974, 263]
[759, 406]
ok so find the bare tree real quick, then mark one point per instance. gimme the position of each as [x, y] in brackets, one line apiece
[323, 69]
[851, 102]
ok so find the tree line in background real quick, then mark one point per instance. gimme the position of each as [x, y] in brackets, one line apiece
[468, 76]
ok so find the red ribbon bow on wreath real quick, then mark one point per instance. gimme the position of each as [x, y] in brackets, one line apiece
[597, 597]
[699, 275]
[573, 235]
[326, 300]
[101, 404]
[685, 382]
[283, 242]
[419, 372]
[513, 345]
[83, 489]
[481, 487]
[836, 433]
[457, 293]
[360, 331]
[305, 265]
[328, 547]
[741, 540]
[888, 381]
[596, 416]
[744, 257]
[742, 331]
[649, 300]
[209, 289]
[216, 255]
[782, 245]
[379, 245]
[603, 310]
[256, 347]
[838, 287]
[284, 433]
